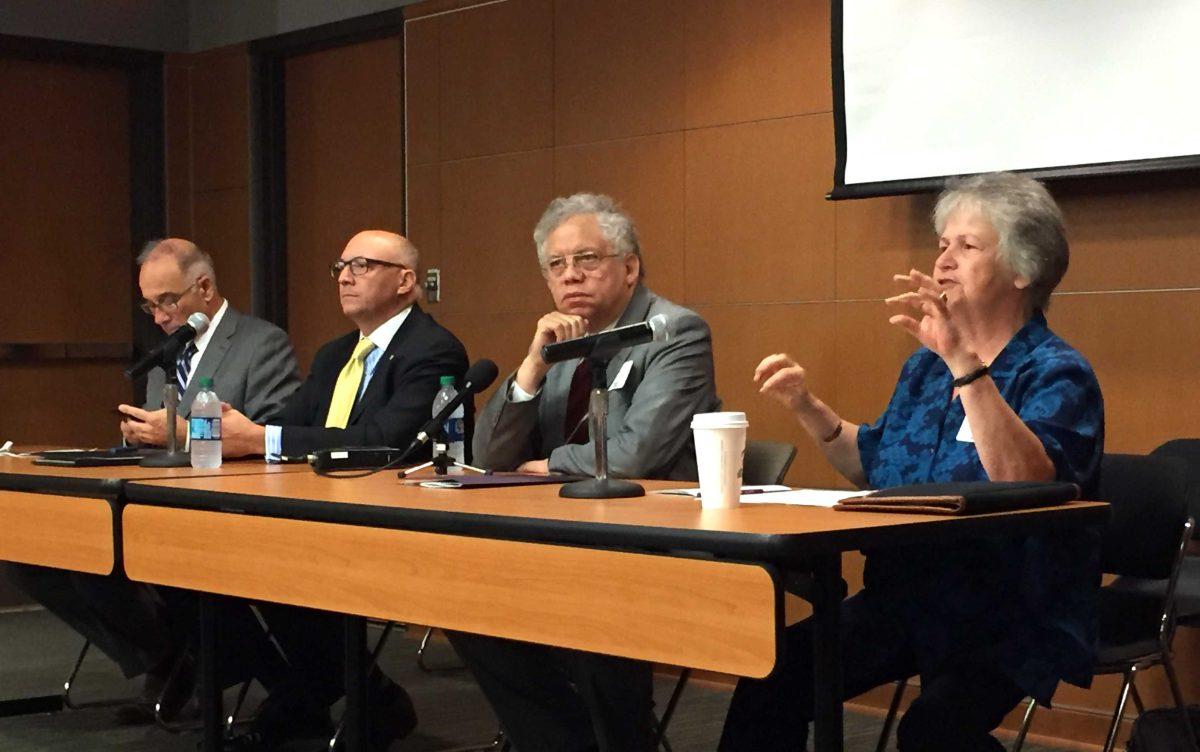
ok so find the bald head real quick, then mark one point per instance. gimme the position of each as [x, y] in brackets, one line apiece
[389, 246]
[384, 288]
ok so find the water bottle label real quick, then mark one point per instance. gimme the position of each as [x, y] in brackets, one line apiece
[454, 430]
[205, 429]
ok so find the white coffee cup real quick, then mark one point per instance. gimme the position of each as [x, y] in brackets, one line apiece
[720, 448]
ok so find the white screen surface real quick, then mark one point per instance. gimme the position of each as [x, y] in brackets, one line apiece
[950, 87]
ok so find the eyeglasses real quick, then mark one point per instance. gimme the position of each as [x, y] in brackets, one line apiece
[359, 265]
[588, 261]
[167, 302]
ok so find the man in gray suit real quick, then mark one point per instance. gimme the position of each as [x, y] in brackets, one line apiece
[249, 360]
[552, 698]
[144, 629]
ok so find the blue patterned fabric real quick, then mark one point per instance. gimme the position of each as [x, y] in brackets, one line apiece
[1028, 602]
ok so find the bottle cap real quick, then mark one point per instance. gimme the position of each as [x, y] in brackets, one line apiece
[206, 382]
[447, 380]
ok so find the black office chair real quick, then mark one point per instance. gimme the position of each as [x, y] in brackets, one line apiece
[765, 463]
[1187, 590]
[1146, 538]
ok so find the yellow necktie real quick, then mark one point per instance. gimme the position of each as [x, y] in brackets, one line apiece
[346, 389]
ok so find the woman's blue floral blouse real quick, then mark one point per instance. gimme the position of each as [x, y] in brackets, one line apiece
[1027, 604]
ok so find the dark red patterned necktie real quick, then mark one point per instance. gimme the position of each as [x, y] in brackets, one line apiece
[577, 405]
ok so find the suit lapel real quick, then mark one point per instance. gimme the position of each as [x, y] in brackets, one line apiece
[377, 389]
[635, 312]
[210, 362]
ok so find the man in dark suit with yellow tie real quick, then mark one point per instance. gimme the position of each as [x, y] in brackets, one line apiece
[372, 387]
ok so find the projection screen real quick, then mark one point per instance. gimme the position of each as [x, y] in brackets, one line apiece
[925, 89]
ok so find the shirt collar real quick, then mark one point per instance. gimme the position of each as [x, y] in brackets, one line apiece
[385, 332]
[1033, 333]
[202, 339]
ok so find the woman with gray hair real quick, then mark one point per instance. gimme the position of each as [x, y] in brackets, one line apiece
[991, 394]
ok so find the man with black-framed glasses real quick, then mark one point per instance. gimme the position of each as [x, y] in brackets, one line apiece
[374, 386]
[371, 387]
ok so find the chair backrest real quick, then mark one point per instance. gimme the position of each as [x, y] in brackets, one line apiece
[766, 462]
[1186, 451]
[1149, 508]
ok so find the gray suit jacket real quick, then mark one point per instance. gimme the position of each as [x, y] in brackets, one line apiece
[649, 416]
[250, 362]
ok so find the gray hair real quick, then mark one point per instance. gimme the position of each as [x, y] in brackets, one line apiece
[1033, 239]
[193, 261]
[616, 226]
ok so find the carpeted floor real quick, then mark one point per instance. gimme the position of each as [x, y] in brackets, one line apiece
[37, 651]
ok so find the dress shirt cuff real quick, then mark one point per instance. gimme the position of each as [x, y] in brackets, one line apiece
[517, 394]
[274, 443]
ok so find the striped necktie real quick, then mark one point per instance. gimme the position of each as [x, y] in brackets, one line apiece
[345, 391]
[183, 366]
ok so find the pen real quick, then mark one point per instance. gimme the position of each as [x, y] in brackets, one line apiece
[748, 491]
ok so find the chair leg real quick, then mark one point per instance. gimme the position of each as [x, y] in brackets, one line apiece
[499, 744]
[1137, 699]
[660, 737]
[421, 656]
[1025, 723]
[1178, 695]
[52, 704]
[70, 682]
[237, 706]
[1115, 726]
[890, 719]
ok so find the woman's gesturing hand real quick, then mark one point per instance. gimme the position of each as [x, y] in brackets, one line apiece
[780, 377]
[932, 322]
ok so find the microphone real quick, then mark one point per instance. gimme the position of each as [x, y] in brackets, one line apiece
[606, 344]
[479, 377]
[196, 324]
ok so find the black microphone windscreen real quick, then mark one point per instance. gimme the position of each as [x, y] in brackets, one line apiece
[481, 374]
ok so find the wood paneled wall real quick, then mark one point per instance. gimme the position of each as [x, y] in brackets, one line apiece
[711, 121]
[65, 271]
[345, 173]
[207, 112]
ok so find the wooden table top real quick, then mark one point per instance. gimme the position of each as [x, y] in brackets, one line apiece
[20, 474]
[538, 513]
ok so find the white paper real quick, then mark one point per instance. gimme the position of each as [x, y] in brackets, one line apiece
[804, 497]
[695, 492]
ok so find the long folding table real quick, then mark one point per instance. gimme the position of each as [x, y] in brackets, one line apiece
[654, 578]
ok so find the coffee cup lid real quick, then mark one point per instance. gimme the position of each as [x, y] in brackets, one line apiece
[719, 420]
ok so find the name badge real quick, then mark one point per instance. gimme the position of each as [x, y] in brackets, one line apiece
[622, 376]
[964, 433]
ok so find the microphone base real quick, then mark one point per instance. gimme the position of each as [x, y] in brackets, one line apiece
[167, 459]
[601, 488]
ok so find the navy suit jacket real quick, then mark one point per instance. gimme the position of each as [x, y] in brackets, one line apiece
[397, 401]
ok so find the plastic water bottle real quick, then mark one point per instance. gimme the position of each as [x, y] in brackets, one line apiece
[453, 430]
[204, 427]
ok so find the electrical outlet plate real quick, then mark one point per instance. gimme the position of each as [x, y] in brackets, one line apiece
[433, 285]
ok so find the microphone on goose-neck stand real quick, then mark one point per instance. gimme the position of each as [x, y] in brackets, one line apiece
[598, 349]
[165, 354]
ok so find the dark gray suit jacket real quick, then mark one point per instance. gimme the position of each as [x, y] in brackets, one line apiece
[649, 416]
[250, 362]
